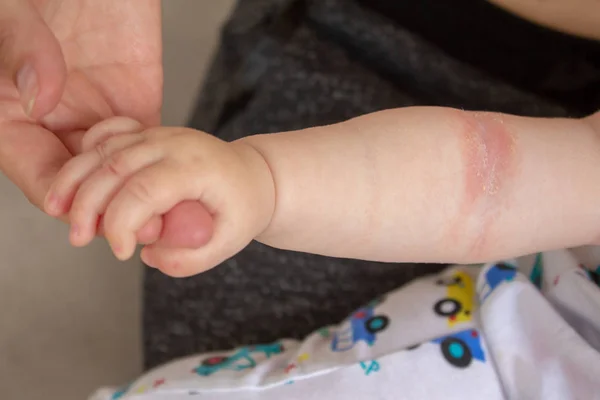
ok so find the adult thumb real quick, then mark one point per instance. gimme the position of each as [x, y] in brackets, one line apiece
[32, 55]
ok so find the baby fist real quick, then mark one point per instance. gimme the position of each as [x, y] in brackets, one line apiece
[132, 178]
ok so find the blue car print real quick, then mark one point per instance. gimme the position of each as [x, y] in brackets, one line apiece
[363, 326]
[240, 360]
[537, 272]
[459, 349]
[495, 276]
[119, 393]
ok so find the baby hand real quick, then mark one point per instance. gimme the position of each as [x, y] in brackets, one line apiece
[130, 178]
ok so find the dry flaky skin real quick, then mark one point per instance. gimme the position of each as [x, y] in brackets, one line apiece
[490, 149]
[490, 154]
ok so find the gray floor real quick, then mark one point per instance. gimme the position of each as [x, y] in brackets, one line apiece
[71, 317]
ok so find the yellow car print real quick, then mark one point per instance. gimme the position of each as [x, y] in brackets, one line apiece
[457, 306]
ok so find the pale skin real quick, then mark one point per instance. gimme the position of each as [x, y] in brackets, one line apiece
[66, 65]
[420, 184]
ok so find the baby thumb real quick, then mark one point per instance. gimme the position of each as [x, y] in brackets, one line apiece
[32, 56]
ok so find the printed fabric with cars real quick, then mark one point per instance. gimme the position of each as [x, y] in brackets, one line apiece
[244, 358]
[458, 304]
[362, 326]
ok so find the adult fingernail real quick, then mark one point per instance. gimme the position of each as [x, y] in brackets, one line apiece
[27, 84]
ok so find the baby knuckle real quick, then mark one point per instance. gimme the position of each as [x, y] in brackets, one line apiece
[141, 190]
[117, 165]
[78, 210]
[158, 134]
[103, 151]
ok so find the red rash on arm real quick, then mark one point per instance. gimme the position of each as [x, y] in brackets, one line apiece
[489, 150]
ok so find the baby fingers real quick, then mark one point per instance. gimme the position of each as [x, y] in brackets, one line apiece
[95, 193]
[151, 191]
[108, 128]
[62, 191]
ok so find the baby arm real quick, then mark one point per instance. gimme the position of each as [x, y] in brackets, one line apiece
[413, 184]
[431, 184]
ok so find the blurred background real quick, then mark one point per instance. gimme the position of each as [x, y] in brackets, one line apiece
[71, 317]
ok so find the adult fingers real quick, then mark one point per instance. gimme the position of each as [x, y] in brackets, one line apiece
[180, 263]
[30, 156]
[32, 55]
[188, 225]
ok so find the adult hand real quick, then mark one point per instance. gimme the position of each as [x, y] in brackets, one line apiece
[67, 64]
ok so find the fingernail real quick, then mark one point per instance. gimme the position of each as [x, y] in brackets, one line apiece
[120, 251]
[52, 204]
[27, 84]
[75, 231]
[116, 248]
[74, 235]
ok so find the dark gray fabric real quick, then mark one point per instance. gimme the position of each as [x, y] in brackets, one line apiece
[289, 64]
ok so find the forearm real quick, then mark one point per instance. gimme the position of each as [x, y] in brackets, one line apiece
[433, 185]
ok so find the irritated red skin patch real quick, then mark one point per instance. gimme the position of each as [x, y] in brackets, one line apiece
[489, 150]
